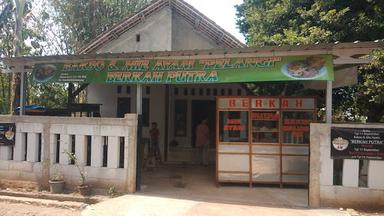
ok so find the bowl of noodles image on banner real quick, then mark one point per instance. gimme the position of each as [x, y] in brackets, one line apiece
[44, 72]
[340, 144]
[310, 68]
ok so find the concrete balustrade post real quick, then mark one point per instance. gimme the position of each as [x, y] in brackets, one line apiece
[46, 159]
[96, 152]
[80, 150]
[113, 152]
[5, 152]
[351, 173]
[19, 150]
[130, 159]
[33, 147]
[64, 146]
[52, 148]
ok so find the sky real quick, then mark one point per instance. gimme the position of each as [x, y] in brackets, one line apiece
[222, 12]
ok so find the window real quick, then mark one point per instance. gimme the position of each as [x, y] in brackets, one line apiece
[176, 91]
[229, 91]
[185, 91]
[208, 92]
[119, 88]
[123, 106]
[193, 92]
[222, 92]
[239, 92]
[214, 92]
[148, 90]
[138, 38]
[201, 92]
[128, 90]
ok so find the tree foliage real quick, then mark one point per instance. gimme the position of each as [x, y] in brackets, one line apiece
[10, 47]
[281, 22]
[59, 27]
[290, 22]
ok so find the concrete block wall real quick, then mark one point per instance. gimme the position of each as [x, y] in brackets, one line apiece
[40, 139]
[322, 192]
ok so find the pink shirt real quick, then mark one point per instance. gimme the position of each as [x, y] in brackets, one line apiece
[202, 135]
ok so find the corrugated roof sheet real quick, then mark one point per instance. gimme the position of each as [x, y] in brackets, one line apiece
[349, 52]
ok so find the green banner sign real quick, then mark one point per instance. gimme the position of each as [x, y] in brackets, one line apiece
[172, 71]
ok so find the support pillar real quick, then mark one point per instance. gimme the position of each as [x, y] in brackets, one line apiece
[139, 155]
[329, 102]
[22, 93]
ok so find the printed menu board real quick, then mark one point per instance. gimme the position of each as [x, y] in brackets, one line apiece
[265, 126]
[233, 126]
[7, 133]
[295, 127]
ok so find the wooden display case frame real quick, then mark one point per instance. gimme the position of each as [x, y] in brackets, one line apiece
[251, 144]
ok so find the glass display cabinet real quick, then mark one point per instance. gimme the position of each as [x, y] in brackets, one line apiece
[263, 140]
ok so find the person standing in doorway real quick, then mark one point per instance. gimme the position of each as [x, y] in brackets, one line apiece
[202, 142]
[154, 133]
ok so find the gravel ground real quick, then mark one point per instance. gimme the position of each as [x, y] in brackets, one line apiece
[25, 209]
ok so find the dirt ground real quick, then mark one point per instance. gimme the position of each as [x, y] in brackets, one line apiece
[25, 209]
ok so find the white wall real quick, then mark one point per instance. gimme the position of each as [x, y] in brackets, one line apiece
[155, 35]
[106, 95]
[186, 37]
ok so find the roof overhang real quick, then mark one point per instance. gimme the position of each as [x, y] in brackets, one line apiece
[345, 54]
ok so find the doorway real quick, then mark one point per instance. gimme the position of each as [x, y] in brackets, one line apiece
[204, 109]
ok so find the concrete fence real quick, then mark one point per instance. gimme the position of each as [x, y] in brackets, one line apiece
[322, 188]
[105, 149]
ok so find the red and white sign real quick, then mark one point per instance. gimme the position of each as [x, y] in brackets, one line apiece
[298, 103]
[265, 103]
[234, 103]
